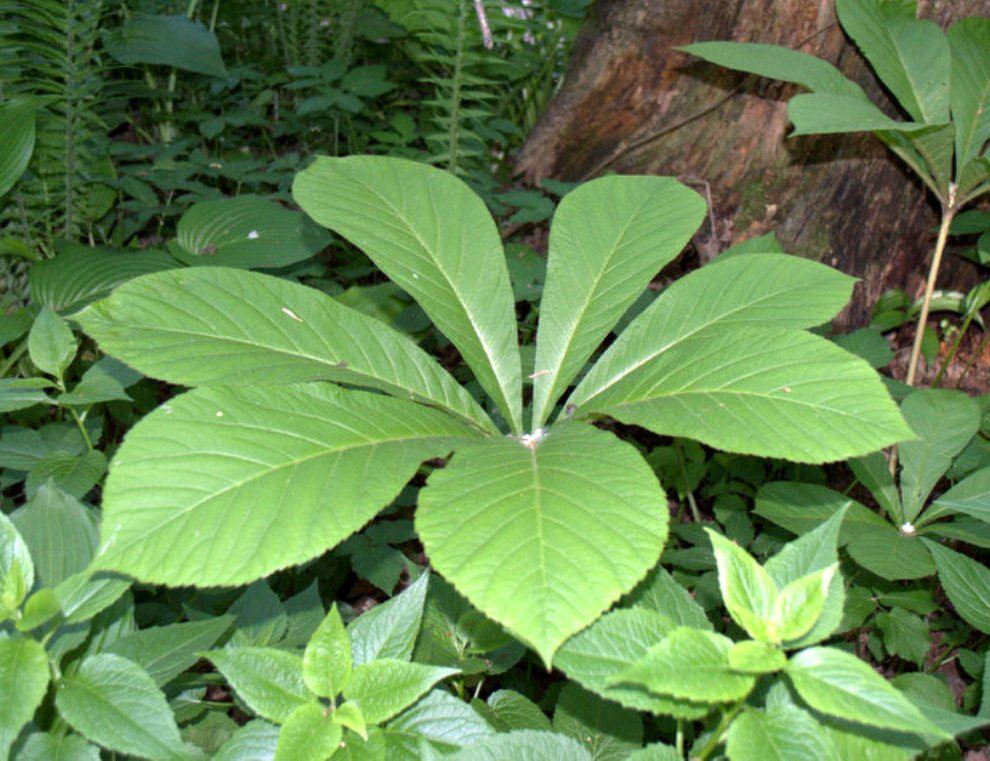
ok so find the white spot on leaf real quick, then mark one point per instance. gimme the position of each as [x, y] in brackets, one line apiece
[292, 315]
[253, 235]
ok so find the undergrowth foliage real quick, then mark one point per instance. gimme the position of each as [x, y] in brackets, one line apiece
[309, 455]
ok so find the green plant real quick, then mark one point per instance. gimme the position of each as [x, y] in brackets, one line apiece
[939, 79]
[261, 467]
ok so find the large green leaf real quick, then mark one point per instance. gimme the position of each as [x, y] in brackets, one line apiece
[890, 553]
[114, 703]
[778, 63]
[612, 645]
[544, 536]
[966, 583]
[167, 40]
[825, 113]
[609, 237]
[79, 275]
[225, 485]
[23, 681]
[691, 664]
[718, 357]
[208, 326]
[778, 733]
[944, 422]
[434, 237]
[608, 730]
[269, 681]
[524, 745]
[17, 128]
[840, 684]
[247, 231]
[911, 56]
[969, 42]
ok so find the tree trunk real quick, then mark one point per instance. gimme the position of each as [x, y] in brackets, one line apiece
[631, 103]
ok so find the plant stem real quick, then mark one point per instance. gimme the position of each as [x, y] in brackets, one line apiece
[15, 355]
[948, 212]
[953, 350]
[720, 730]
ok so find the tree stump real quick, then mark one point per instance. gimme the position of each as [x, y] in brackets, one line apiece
[631, 103]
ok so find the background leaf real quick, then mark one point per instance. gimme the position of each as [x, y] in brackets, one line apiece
[778, 733]
[389, 630]
[246, 231]
[23, 682]
[269, 681]
[969, 42]
[609, 237]
[543, 539]
[167, 41]
[966, 583]
[432, 236]
[17, 127]
[383, 687]
[248, 480]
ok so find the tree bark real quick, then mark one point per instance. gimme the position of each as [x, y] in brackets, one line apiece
[632, 103]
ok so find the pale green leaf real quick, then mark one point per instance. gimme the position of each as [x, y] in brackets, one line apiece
[79, 274]
[755, 657]
[51, 344]
[114, 703]
[890, 553]
[609, 237]
[41, 746]
[749, 594]
[971, 496]
[524, 745]
[382, 688]
[612, 645]
[17, 127]
[801, 602]
[969, 42]
[59, 531]
[840, 684]
[349, 716]
[308, 734]
[389, 630]
[777, 63]
[269, 681]
[944, 422]
[714, 358]
[966, 583]
[16, 568]
[23, 682]
[543, 537]
[327, 658]
[607, 730]
[208, 326]
[248, 232]
[167, 41]
[223, 486]
[911, 56]
[442, 717]
[827, 113]
[434, 237]
[778, 733]
[690, 664]
[166, 651]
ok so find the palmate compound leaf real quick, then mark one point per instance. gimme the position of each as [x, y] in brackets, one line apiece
[211, 326]
[221, 486]
[609, 237]
[720, 357]
[433, 237]
[543, 538]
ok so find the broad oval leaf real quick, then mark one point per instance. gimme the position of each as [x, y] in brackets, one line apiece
[248, 232]
[79, 275]
[969, 42]
[308, 734]
[114, 703]
[759, 391]
[434, 237]
[889, 553]
[382, 688]
[208, 326]
[17, 128]
[225, 485]
[966, 583]
[944, 422]
[169, 41]
[609, 237]
[544, 537]
[269, 681]
[840, 684]
[910, 55]
[778, 733]
[23, 682]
